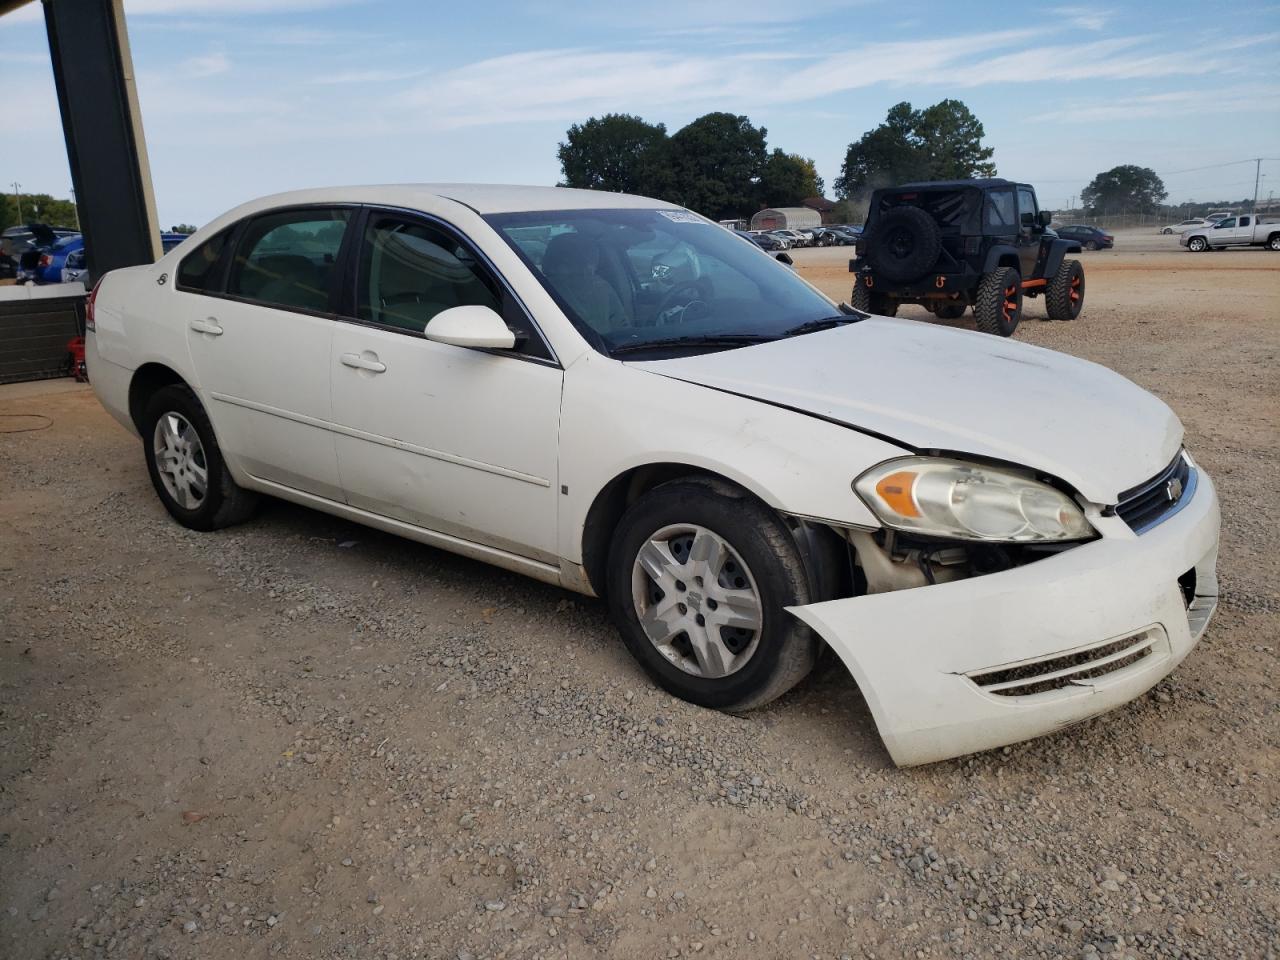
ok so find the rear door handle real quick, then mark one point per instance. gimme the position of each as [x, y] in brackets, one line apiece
[372, 364]
[209, 326]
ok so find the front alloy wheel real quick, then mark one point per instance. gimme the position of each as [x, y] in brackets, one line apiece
[696, 600]
[699, 577]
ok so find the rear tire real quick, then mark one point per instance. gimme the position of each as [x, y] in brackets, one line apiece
[863, 299]
[1273, 242]
[663, 584]
[998, 305]
[1064, 295]
[186, 465]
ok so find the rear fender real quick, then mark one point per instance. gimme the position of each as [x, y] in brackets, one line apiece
[1000, 252]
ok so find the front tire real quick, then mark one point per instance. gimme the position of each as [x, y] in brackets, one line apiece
[998, 305]
[699, 576]
[186, 465]
[1091, 245]
[1197, 244]
[1064, 295]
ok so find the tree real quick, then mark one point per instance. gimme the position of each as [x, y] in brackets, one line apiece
[44, 208]
[1124, 189]
[951, 137]
[187, 228]
[615, 152]
[941, 142]
[787, 179]
[715, 165]
[8, 211]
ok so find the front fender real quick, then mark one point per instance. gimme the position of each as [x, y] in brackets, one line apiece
[1057, 250]
[616, 417]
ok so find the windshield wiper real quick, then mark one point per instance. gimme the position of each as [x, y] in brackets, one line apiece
[706, 340]
[826, 323]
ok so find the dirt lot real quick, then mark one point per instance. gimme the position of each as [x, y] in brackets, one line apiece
[302, 738]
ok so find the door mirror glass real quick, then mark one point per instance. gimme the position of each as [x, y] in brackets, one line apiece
[470, 326]
[1046, 217]
[784, 258]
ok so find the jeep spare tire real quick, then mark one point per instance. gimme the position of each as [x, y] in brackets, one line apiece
[903, 244]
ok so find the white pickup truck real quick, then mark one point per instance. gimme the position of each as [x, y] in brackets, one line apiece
[1246, 229]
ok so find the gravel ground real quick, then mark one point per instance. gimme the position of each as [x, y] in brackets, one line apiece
[302, 738]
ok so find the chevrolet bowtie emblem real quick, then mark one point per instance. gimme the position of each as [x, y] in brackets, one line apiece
[1173, 490]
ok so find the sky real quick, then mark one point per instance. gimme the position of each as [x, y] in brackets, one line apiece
[242, 98]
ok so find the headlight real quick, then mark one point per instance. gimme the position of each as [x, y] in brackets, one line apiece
[966, 501]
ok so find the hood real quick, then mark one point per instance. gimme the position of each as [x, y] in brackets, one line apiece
[935, 388]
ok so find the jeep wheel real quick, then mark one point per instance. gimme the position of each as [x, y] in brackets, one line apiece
[1197, 244]
[863, 299]
[998, 306]
[904, 244]
[1064, 296]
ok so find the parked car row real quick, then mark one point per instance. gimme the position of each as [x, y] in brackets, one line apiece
[831, 235]
[42, 254]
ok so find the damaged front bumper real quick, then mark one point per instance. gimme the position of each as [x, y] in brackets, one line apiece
[965, 666]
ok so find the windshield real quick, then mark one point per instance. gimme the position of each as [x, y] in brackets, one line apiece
[630, 278]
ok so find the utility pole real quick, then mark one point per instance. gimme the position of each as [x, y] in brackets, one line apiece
[17, 196]
[1257, 177]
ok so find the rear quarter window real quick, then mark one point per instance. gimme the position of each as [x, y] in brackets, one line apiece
[199, 270]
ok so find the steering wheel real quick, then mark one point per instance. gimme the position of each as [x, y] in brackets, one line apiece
[684, 295]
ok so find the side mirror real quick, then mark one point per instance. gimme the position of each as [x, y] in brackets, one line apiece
[784, 258]
[470, 326]
[1046, 217]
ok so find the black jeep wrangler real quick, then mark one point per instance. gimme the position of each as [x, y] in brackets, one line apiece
[952, 244]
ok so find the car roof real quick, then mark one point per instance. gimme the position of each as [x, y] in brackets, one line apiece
[482, 198]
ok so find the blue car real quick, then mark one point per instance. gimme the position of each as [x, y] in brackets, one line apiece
[64, 261]
[54, 258]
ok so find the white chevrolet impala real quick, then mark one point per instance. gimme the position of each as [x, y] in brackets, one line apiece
[618, 396]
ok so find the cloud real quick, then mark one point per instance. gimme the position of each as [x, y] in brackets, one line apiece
[208, 65]
[1090, 18]
[1248, 98]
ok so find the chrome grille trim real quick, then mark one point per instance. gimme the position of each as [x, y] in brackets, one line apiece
[1153, 502]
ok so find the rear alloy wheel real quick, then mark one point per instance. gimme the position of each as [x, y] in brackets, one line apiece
[1274, 242]
[1064, 295]
[998, 305]
[700, 574]
[186, 465]
[1197, 244]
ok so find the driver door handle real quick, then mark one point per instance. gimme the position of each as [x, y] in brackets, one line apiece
[363, 363]
[209, 326]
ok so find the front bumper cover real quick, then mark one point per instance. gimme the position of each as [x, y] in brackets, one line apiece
[916, 653]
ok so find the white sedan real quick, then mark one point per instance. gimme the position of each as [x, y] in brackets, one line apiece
[615, 395]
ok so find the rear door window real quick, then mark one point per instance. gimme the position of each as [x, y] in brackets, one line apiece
[289, 259]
